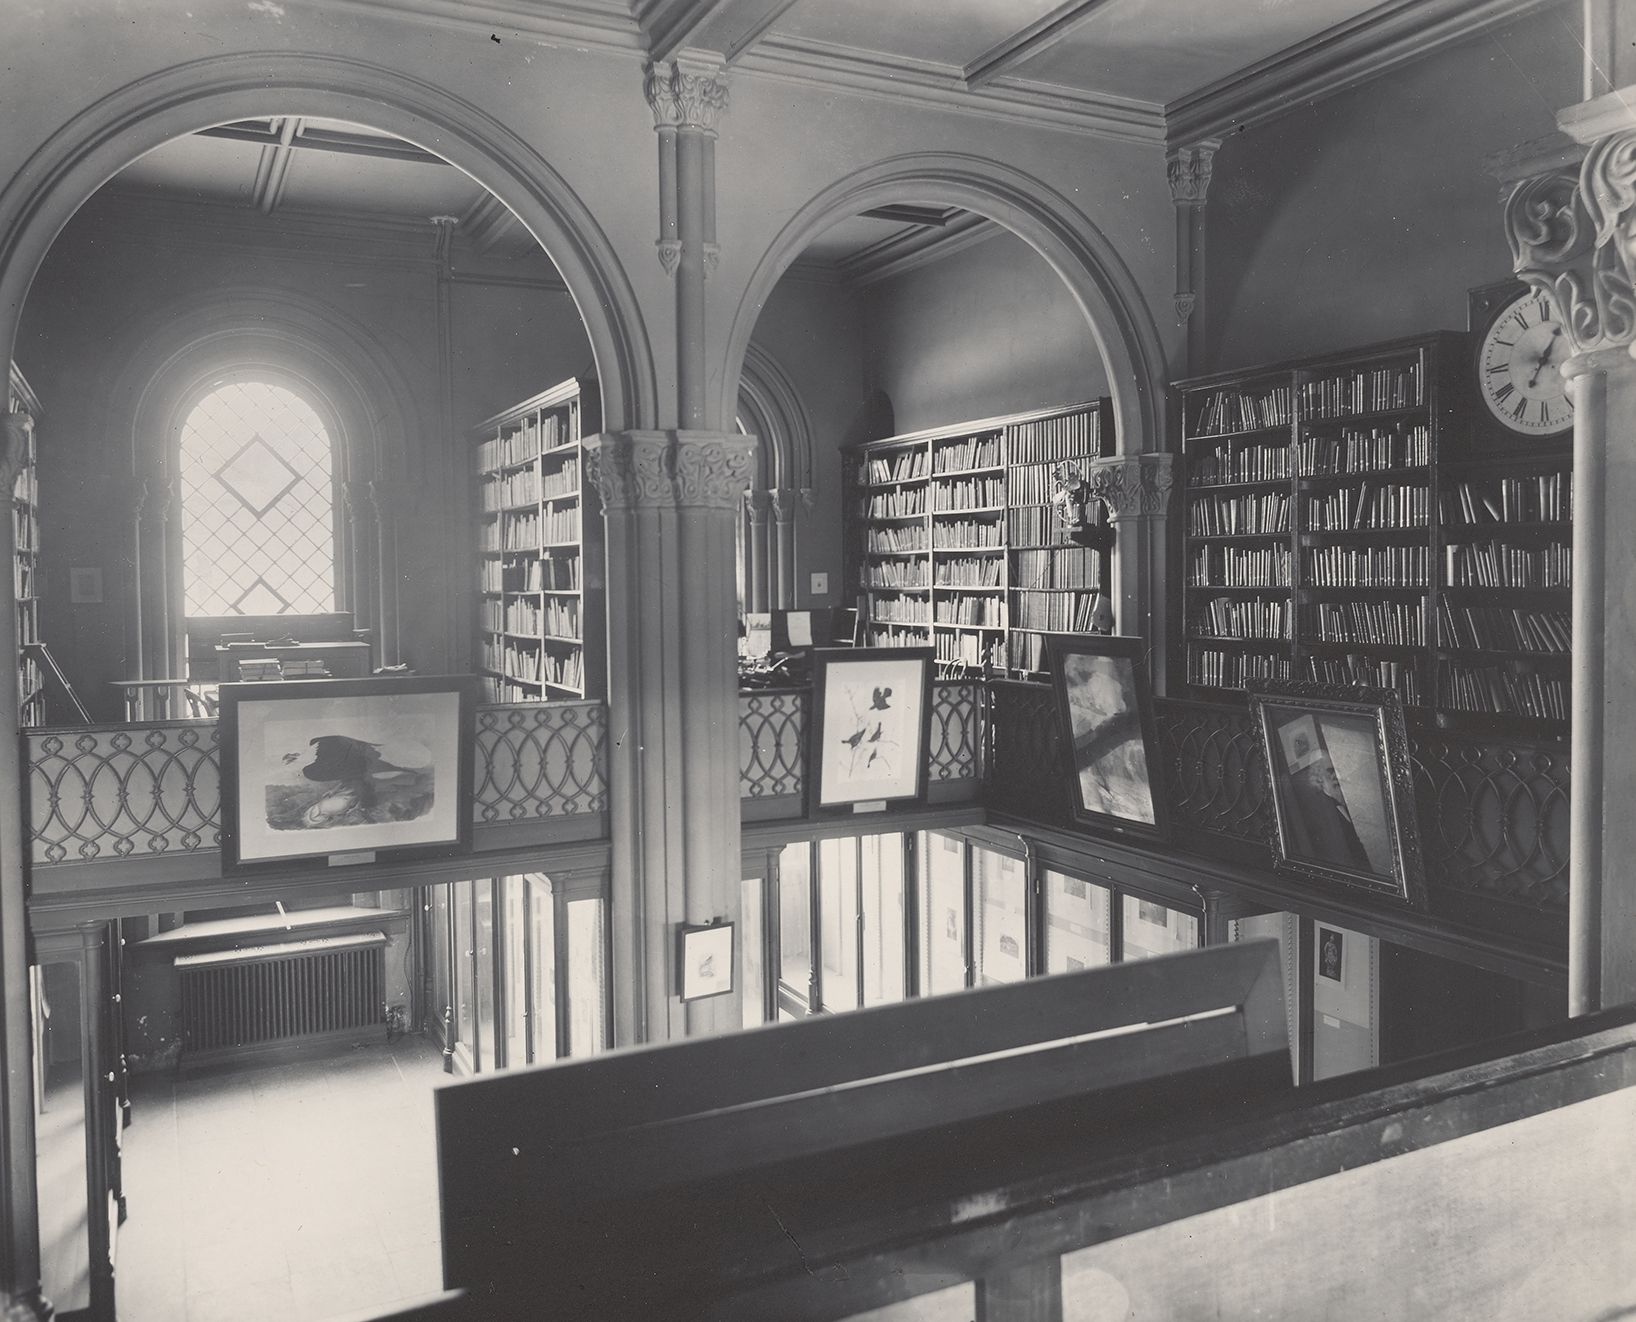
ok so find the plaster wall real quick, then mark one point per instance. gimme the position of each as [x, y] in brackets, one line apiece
[988, 330]
[1369, 215]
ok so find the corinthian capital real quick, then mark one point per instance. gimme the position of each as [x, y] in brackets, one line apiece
[690, 96]
[1573, 237]
[1132, 486]
[670, 469]
[1189, 169]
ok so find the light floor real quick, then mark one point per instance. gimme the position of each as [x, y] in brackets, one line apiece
[289, 1191]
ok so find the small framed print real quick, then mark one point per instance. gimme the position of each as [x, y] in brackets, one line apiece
[873, 709]
[85, 585]
[704, 960]
[1331, 950]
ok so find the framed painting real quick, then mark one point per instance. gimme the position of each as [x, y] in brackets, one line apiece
[345, 770]
[871, 714]
[704, 960]
[1106, 711]
[1342, 789]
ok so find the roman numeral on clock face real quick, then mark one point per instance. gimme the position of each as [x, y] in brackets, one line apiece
[1504, 393]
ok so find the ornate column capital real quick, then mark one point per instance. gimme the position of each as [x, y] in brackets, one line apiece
[1188, 169]
[689, 95]
[1573, 238]
[758, 503]
[670, 469]
[785, 501]
[14, 448]
[1132, 486]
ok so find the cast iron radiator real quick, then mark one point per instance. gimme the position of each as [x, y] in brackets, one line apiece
[262, 996]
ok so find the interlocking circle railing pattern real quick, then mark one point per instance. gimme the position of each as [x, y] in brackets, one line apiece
[772, 744]
[115, 791]
[956, 732]
[540, 760]
[1218, 779]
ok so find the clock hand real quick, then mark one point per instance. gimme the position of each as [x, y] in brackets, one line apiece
[1544, 359]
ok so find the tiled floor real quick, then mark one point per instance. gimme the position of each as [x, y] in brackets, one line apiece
[294, 1191]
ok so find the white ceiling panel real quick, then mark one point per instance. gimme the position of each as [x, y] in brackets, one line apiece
[953, 32]
[196, 169]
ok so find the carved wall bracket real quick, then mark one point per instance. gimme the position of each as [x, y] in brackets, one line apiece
[1189, 170]
[671, 469]
[1132, 486]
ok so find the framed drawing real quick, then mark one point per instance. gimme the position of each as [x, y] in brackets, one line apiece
[1343, 797]
[363, 768]
[871, 713]
[1106, 713]
[704, 960]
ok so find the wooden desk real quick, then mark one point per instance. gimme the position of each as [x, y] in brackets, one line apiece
[342, 660]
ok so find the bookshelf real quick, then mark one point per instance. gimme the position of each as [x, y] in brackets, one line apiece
[954, 541]
[1340, 524]
[25, 522]
[539, 601]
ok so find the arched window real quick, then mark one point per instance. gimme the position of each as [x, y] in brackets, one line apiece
[258, 504]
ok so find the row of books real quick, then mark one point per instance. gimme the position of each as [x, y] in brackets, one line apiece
[1241, 463]
[1369, 505]
[1035, 484]
[970, 649]
[1501, 565]
[986, 611]
[899, 610]
[564, 670]
[1040, 525]
[524, 615]
[1357, 451]
[496, 689]
[552, 573]
[1027, 651]
[973, 452]
[962, 533]
[1242, 617]
[1371, 390]
[1054, 612]
[1496, 689]
[970, 571]
[896, 635]
[1499, 629]
[1224, 411]
[257, 669]
[562, 618]
[898, 538]
[1396, 623]
[518, 660]
[532, 437]
[561, 481]
[898, 574]
[1237, 516]
[1541, 498]
[1066, 436]
[903, 466]
[519, 487]
[1240, 567]
[25, 527]
[23, 578]
[1374, 672]
[1367, 566]
[1221, 669]
[965, 493]
[296, 667]
[1067, 567]
[527, 530]
[896, 504]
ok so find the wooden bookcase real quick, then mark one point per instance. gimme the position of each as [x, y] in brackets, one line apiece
[25, 522]
[1336, 518]
[539, 625]
[953, 539]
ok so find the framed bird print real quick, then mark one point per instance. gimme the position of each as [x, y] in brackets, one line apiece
[345, 771]
[871, 716]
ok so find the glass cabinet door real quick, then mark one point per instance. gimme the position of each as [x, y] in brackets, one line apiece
[514, 972]
[752, 972]
[884, 938]
[483, 926]
[587, 978]
[439, 952]
[465, 979]
[1000, 906]
[1077, 931]
[542, 937]
[942, 913]
[838, 980]
[1152, 929]
[795, 972]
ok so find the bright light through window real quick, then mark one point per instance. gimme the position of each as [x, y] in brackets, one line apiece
[258, 528]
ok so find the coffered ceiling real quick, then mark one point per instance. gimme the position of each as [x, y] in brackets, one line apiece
[1158, 71]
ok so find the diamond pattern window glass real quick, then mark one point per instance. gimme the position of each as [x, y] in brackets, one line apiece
[258, 519]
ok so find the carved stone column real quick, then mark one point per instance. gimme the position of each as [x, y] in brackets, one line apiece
[687, 99]
[19, 1195]
[758, 552]
[1136, 490]
[1189, 169]
[670, 499]
[1573, 237]
[785, 502]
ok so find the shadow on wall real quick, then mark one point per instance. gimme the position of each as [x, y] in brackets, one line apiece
[873, 420]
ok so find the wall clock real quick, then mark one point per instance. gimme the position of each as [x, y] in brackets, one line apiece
[1520, 353]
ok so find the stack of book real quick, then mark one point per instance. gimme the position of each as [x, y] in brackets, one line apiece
[254, 669]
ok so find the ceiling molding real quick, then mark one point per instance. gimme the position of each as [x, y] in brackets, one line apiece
[756, 28]
[911, 249]
[329, 140]
[493, 230]
[1339, 58]
[1025, 44]
[609, 27]
[827, 65]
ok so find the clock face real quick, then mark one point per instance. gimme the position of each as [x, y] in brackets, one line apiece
[1519, 368]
